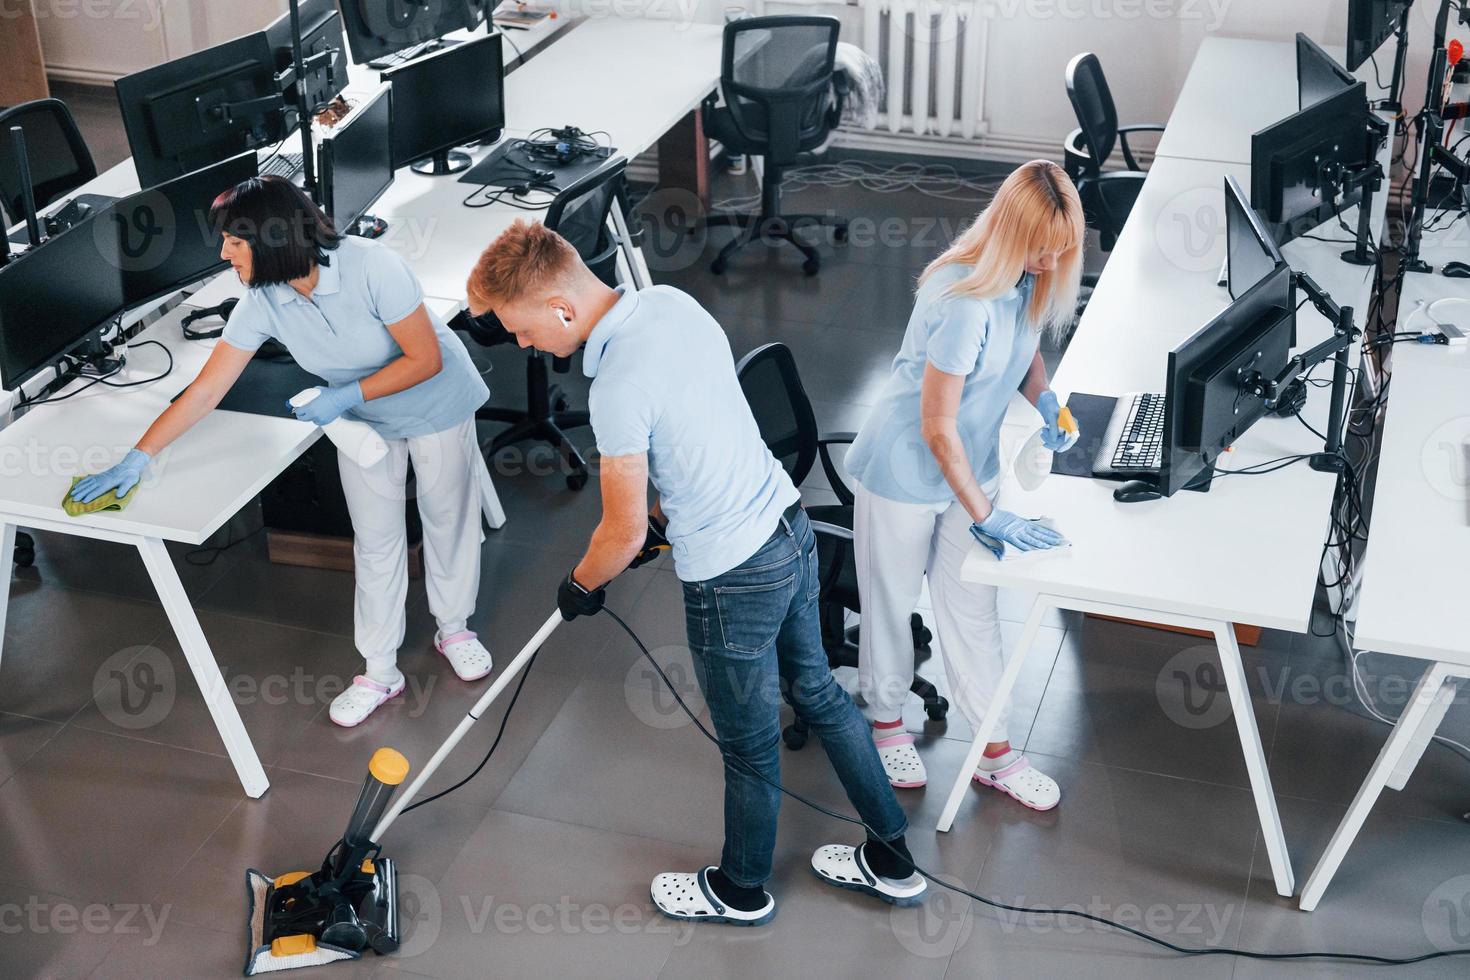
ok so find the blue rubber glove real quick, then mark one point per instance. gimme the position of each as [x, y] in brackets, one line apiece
[122, 478]
[1018, 532]
[1054, 437]
[330, 404]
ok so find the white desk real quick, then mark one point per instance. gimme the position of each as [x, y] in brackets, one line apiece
[1236, 87]
[1159, 288]
[1412, 599]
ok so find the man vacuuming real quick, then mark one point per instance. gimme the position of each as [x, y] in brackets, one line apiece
[666, 407]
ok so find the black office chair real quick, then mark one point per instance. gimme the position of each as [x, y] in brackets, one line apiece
[783, 414]
[1107, 198]
[59, 159]
[579, 214]
[776, 74]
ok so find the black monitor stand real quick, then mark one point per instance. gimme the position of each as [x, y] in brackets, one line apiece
[442, 164]
[1433, 130]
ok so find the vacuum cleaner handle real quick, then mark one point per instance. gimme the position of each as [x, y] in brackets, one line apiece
[514, 667]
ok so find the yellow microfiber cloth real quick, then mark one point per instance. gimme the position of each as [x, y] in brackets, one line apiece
[108, 501]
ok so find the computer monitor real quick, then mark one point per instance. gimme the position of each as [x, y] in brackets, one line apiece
[1298, 163]
[1318, 76]
[1369, 23]
[165, 240]
[1207, 404]
[378, 28]
[54, 297]
[446, 99]
[321, 32]
[1251, 253]
[202, 108]
[357, 160]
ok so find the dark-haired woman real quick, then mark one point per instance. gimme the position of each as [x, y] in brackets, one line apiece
[351, 311]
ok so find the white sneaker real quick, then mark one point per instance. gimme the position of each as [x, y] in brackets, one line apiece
[466, 655]
[362, 697]
[1027, 786]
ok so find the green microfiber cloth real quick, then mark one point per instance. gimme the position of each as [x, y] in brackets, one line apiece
[108, 501]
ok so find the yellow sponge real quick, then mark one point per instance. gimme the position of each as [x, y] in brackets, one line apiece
[108, 501]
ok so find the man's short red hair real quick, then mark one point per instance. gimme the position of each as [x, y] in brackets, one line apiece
[527, 258]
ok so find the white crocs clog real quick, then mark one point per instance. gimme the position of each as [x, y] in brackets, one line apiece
[689, 898]
[1024, 784]
[362, 697]
[901, 762]
[466, 655]
[844, 866]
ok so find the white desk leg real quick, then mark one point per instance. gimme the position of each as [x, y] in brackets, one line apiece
[1426, 694]
[1424, 733]
[1255, 758]
[202, 663]
[632, 253]
[992, 717]
[489, 499]
[7, 550]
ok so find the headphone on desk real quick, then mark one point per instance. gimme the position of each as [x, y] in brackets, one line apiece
[222, 311]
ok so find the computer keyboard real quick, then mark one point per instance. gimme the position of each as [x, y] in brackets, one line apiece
[286, 165]
[1141, 439]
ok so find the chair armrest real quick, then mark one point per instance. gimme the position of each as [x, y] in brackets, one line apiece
[834, 477]
[1123, 132]
[833, 530]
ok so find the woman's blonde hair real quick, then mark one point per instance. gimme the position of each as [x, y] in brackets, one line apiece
[1036, 208]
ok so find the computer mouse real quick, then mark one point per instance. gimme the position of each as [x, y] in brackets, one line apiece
[1135, 491]
[1456, 270]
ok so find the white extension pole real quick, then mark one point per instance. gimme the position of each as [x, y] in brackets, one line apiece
[514, 667]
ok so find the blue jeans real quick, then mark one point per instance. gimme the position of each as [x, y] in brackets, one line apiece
[755, 638]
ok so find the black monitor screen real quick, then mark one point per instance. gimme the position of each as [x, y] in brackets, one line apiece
[446, 99]
[1293, 159]
[52, 297]
[1318, 76]
[357, 161]
[1370, 22]
[321, 32]
[1251, 253]
[164, 236]
[378, 28]
[199, 109]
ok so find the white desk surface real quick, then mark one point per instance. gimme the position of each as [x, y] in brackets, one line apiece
[633, 78]
[1234, 88]
[190, 490]
[1246, 551]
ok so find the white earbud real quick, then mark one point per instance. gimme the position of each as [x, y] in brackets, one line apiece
[560, 315]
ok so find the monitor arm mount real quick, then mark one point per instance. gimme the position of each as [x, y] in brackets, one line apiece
[1433, 130]
[1335, 182]
[1344, 335]
[299, 68]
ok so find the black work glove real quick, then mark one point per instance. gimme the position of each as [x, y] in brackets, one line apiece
[574, 601]
[653, 545]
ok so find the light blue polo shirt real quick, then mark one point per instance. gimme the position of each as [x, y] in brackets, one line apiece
[663, 382]
[987, 341]
[341, 336]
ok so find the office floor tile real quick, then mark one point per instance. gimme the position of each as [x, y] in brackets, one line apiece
[49, 935]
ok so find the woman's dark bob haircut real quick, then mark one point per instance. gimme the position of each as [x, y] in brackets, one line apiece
[286, 232]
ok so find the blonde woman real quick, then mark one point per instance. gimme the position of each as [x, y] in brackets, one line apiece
[926, 464]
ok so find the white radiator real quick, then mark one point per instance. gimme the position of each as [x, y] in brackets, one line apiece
[933, 58]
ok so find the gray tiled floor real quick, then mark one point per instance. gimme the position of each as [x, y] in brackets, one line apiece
[124, 836]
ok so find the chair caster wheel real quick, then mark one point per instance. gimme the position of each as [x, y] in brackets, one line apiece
[717, 267]
[25, 557]
[793, 738]
[577, 481]
[937, 710]
[839, 234]
[560, 404]
[810, 267]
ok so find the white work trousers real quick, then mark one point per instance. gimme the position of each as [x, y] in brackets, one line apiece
[896, 545]
[447, 468]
